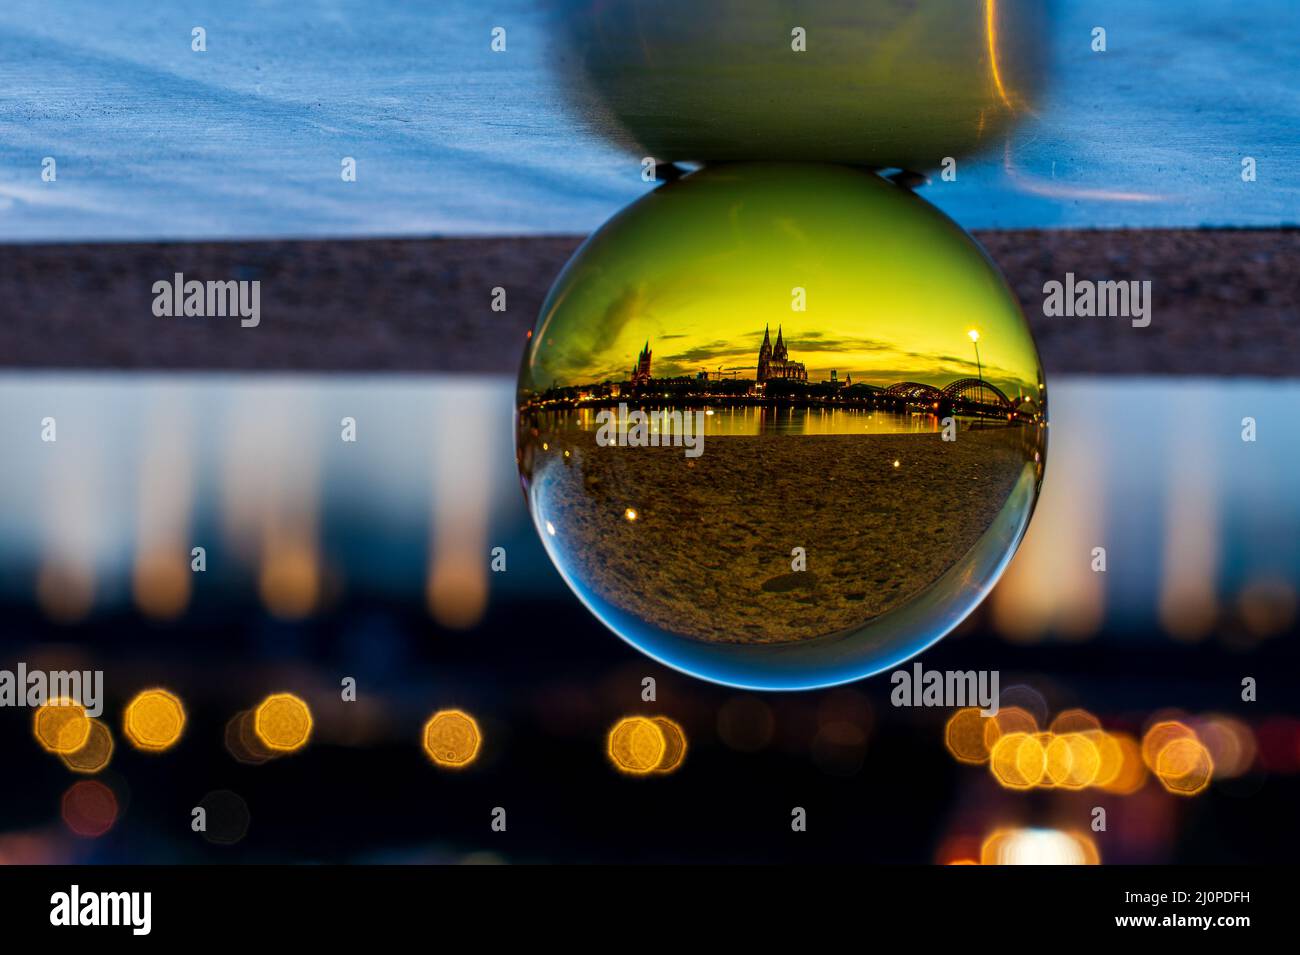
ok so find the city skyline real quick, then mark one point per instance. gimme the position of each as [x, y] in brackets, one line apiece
[645, 367]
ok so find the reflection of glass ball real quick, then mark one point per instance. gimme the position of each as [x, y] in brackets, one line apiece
[828, 331]
[877, 82]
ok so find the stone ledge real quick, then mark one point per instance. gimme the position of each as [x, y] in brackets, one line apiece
[1226, 302]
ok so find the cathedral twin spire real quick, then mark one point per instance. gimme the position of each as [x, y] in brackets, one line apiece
[779, 353]
[774, 360]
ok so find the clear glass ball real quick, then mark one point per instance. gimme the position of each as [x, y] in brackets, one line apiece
[781, 425]
[885, 84]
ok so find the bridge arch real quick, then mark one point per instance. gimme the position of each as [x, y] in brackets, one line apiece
[914, 391]
[976, 391]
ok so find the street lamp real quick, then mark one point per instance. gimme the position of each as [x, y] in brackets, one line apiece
[979, 368]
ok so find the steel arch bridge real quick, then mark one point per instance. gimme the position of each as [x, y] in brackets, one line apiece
[976, 391]
[914, 391]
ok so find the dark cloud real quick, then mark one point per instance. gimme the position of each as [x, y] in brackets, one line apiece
[705, 353]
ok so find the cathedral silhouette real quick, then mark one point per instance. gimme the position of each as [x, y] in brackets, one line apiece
[774, 362]
[641, 370]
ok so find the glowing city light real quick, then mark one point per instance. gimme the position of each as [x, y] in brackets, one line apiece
[964, 736]
[452, 739]
[1231, 744]
[61, 726]
[154, 720]
[95, 754]
[1132, 773]
[1074, 721]
[456, 580]
[1184, 767]
[675, 745]
[1038, 847]
[1059, 760]
[1161, 735]
[242, 743]
[1018, 761]
[1110, 757]
[282, 722]
[1009, 719]
[1085, 761]
[636, 745]
[290, 579]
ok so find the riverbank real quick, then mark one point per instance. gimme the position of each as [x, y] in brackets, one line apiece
[704, 547]
[1223, 302]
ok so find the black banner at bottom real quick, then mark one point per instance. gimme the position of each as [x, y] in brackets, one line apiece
[1013, 906]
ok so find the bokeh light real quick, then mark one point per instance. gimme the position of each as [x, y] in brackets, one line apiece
[964, 736]
[1131, 774]
[242, 743]
[452, 739]
[1058, 759]
[1160, 735]
[1184, 766]
[1279, 744]
[1110, 757]
[636, 745]
[1231, 744]
[154, 720]
[282, 723]
[1085, 761]
[89, 808]
[1018, 761]
[290, 579]
[674, 745]
[1074, 721]
[1267, 606]
[1024, 697]
[95, 754]
[1077, 755]
[1009, 719]
[1032, 846]
[61, 725]
[961, 848]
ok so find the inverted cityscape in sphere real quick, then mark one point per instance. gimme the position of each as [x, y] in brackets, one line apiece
[781, 425]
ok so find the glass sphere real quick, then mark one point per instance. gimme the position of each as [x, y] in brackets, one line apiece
[781, 425]
[858, 81]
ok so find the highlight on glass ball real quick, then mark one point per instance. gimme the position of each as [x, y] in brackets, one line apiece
[781, 425]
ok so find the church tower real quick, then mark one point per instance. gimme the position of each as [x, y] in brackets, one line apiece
[641, 373]
[764, 354]
[779, 353]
